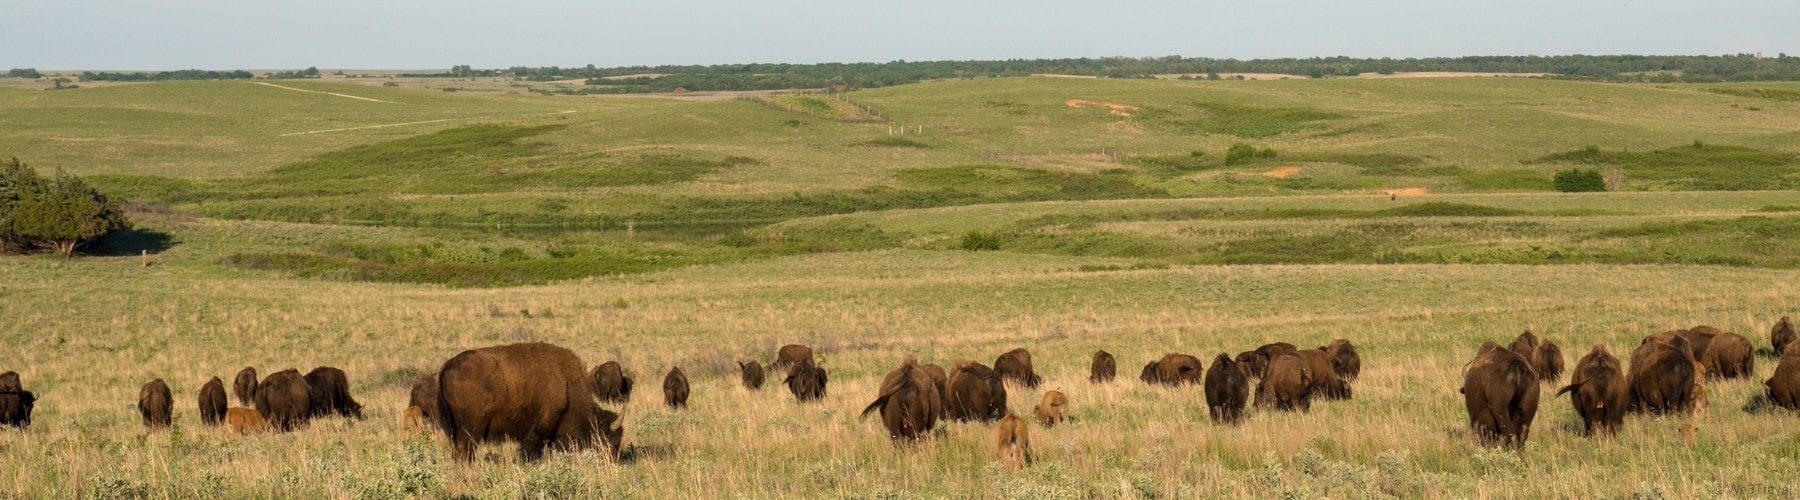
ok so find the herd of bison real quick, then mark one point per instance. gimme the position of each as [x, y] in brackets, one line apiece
[539, 395]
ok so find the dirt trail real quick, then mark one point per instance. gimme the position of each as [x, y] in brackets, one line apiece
[1282, 172]
[402, 124]
[1406, 192]
[1116, 108]
[360, 98]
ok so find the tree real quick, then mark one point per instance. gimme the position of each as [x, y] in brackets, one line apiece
[61, 214]
[1577, 180]
[15, 178]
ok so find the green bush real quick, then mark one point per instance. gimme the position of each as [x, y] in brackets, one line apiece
[1241, 152]
[976, 241]
[61, 213]
[1576, 180]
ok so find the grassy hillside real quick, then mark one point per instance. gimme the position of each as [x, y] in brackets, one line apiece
[382, 230]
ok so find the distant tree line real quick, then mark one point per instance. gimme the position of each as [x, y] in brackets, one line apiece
[158, 76]
[309, 72]
[60, 213]
[24, 73]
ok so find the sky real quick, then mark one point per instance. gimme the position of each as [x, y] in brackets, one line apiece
[424, 34]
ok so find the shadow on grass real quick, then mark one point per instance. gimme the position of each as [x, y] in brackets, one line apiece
[133, 242]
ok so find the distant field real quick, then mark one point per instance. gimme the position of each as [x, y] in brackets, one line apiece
[384, 229]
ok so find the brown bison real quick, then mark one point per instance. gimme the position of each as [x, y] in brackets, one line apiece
[16, 403]
[1663, 376]
[1012, 442]
[1227, 390]
[212, 402]
[1500, 391]
[1729, 356]
[1015, 365]
[424, 397]
[156, 404]
[908, 401]
[1256, 361]
[675, 388]
[9, 382]
[1782, 335]
[1326, 383]
[790, 355]
[942, 380]
[1344, 360]
[976, 393]
[753, 374]
[610, 383]
[1149, 375]
[1545, 356]
[245, 421]
[330, 391]
[535, 394]
[806, 381]
[285, 399]
[1784, 387]
[1052, 410]
[244, 387]
[1597, 389]
[1103, 369]
[1174, 370]
[1286, 385]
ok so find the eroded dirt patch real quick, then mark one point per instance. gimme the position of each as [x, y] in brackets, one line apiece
[1116, 108]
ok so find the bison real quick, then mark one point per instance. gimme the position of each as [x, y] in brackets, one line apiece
[156, 405]
[610, 383]
[1256, 361]
[330, 390]
[1344, 360]
[1287, 384]
[1227, 390]
[1012, 442]
[1545, 356]
[675, 388]
[806, 381]
[424, 397]
[212, 402]
[1500, 391]
[940, 379]
[1325, 381]
[976, 393]
[790, 355]
[1782, 335]
[245, 421]
[413, 418]
[1103, 369]
[16, 403]
[285, 399]
[1784, 387]
[908, 401]
[1052, 410]
[244, 387]
[753, 374]
[1174, 370]
[1597, 389]
[1015, 365]
[1663, 376]
[9, 382]
[1728, 356]
[535, 394]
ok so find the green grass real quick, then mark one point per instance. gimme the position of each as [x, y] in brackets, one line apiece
[1697, 166]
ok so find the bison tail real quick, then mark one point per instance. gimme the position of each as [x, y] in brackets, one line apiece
[1566, 389]
[874, 406]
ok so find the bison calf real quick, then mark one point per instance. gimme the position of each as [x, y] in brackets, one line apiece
[156, 404]
[805, 381]
[610, 383]
[1052, 410]
[675, 388]
[1103, 368]
[1012, 442]
[244, 387]
[1500, 391]
[1227, 390]
[1598, 391]
[752, 373]
[424, 397]
[245, 421]
[908, 401]
[412, 418]
[1015, 365]
[212, 402]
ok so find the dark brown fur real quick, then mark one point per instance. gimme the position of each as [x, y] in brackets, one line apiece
[976, 393]
[1287, 385]
[806, 381]
[1256, 361]
[1326, 383]
[1729, 356]
[941, 380]
[675, 388]
[1598, 392]
[790, 355]
[1176, 369]
[1663, 375]
[1344, 359]
[1500, 392]
[1015, 365]
[1103, 369]
[752, 374]
[244, 387]
[1784, 387]
[908, 401]
[1227, 390]
[213, 402]
[9, 382]
[331, 393]
[1782, 334]
[1545, 357]
[424, 396]
[610, 383]
[156, 405]
[16, 403]
[285, 399]
[534, 394]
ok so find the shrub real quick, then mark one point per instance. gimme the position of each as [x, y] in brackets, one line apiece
[1241, 152]
[61, 213]
[976, 241]
[1576, 180]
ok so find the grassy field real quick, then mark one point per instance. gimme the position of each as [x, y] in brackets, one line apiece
[386, 231]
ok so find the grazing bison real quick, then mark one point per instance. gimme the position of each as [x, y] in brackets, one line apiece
[1149, 374]
[285, 399]
[9, 382]
[330, 389]
[1344, 360]
[535, 394]
[1729, 356]
[610, 383]
[940, 379]
[1103, 369]
[424, 397]
[1784, 387]
[1256, 362]
[675, 388]
[212, 402]
[1325, 381]
[1015, 365]
[16, 403]
[1598, 391]
[806, 381]
[1174, 370]
[1500, 391]
[1227, 390]
[976, 393]
[1012, 442]
[1286, 385]
[908, 401]
[244, 387]
[245, 421]
[1545, 357]
[1782, 335]
[1663, 376]
[156, 404]
[753, 374]
[790, 355]
[1052, 410]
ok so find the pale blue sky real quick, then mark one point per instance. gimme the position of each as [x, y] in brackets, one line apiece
[225, 34]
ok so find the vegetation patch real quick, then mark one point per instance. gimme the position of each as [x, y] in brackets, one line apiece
[1757, 92]
[1697, 166]
[1246, 121]
[1505, 180]
[893, 142]
[474, 266]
